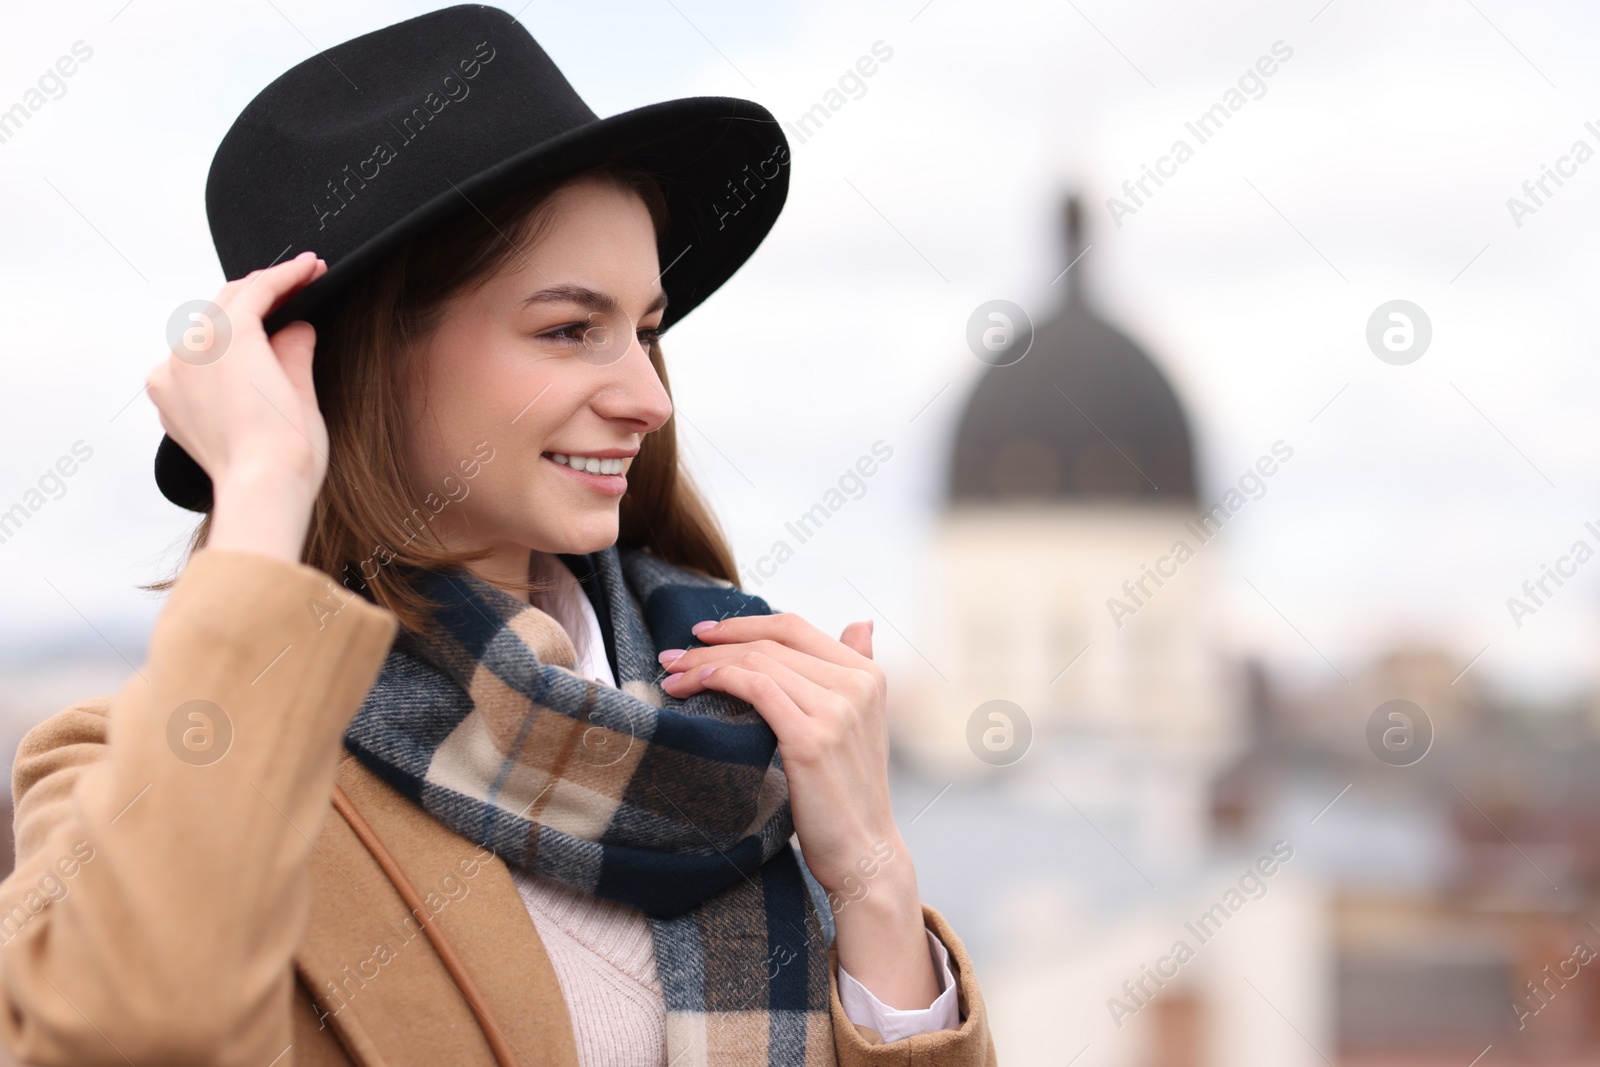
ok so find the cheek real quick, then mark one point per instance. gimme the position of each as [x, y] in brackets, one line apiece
[482, 386]
[457, 403]
[540, 405]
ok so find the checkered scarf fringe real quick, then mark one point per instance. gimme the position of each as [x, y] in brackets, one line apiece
[677, 807]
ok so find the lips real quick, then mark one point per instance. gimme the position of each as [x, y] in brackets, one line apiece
[610, 481]
[592, 463]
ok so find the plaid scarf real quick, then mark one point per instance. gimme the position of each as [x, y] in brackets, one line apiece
[677, 807]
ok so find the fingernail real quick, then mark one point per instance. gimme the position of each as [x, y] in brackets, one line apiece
[705, 672]
[702, 627]
[304, 254]
[668, 655]
[870, 624]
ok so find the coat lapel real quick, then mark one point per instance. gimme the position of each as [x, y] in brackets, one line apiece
[374, 974]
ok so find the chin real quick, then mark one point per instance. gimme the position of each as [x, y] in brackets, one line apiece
[585, 537]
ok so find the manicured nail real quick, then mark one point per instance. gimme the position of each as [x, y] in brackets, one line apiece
[668, 655]
[702, 627]
[705, 672]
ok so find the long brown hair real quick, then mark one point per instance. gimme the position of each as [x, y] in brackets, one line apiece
[368, 528]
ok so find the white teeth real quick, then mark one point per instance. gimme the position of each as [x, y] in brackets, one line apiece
[589, 464]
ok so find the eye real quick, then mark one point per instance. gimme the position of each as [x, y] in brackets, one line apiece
[570, 334]
[573, 334]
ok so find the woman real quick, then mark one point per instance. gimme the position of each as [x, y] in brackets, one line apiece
[452, 585]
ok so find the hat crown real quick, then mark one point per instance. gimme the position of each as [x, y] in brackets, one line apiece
[375, 127]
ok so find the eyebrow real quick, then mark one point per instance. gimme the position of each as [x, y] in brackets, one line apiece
[592, 299]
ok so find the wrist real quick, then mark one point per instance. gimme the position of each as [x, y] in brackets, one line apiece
[891, 898]
[881, 866]
[881, 894]
[261, 510]
[882, 942]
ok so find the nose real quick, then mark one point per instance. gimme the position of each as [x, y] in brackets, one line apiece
[634, 394]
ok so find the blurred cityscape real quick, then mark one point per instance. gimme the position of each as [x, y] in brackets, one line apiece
[1161, 858]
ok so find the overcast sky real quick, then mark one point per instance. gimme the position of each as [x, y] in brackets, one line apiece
[1376, 165]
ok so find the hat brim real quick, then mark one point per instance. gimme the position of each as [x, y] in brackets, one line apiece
[702, 150]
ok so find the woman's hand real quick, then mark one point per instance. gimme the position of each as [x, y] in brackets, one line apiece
[824, 699]
[245, 410]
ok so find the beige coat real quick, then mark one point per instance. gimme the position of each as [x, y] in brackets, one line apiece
[168, 910]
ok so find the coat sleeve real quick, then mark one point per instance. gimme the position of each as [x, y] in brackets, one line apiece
[163, 834]
[967, 1045]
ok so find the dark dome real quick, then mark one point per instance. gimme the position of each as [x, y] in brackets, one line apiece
[1084, 415]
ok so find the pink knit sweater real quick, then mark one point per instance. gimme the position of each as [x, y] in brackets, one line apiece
[605, 962]
[602, 950]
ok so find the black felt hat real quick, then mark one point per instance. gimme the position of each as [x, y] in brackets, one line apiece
[365, 145]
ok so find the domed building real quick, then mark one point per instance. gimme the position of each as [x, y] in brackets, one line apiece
[1068, 575]
[1083, 416]
[1058, 758]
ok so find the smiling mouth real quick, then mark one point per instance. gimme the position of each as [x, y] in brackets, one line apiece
[607, 480]
[588, 464]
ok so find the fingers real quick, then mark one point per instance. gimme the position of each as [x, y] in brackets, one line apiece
[155, 383]
[786, 628]
[858, 635]
[260, 402]
[860, 686]
[770, 699]
[295, 345]
[258, 292]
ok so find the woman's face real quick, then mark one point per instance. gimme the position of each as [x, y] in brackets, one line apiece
[549, 358]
